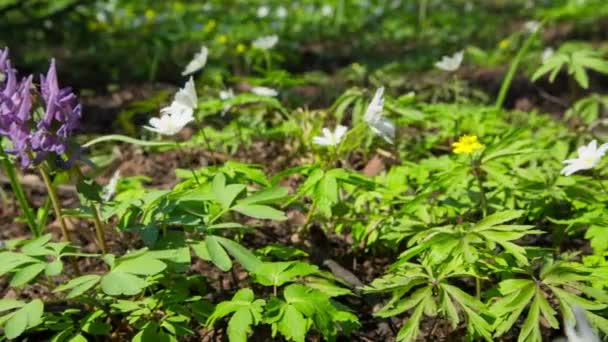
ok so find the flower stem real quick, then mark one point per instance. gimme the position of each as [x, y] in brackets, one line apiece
[55, 202]
[9, 168]
[482, 192]
[597, 176]
[101, 236]
[179, 147]
[209, 145]
[99, 229]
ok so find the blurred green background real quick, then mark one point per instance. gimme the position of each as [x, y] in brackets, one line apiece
[131, 41]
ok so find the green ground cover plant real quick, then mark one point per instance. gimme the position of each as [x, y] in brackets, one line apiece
[311, 177]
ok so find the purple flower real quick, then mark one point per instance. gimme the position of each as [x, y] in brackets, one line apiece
[34, 141]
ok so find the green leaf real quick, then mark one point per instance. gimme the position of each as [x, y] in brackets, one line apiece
[239, 326]
[353, 139]
[79, 285]
[530, 331]
[326, 194]
[28, 316]
[293, 325]
[12, 260]
[26, 274]
[497, 218]
[410, 330]
[278, 273]
[225, 194]
[121, 283]
[89, 189]
[53, 268]
[217, 254]
[241, 254]
[142, 265]
[8, 304]
[269, 195]
[262, 212]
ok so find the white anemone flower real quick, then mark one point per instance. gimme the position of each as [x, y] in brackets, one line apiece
[264, 91]
[226, 94]
[450, 63]
[263, 11]
[327, 10]
[266, 42]
[178, 114]
[198, 62]
[281, 12]
[376, 121]
[531, 26]
[580, 330]
[330, 138]
[547, 53]
[588, 157]
[110, 189]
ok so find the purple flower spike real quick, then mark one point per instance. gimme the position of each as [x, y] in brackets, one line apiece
[34, 141]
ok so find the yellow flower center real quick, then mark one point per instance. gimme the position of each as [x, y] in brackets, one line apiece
[150, 14]
[222, 39]
[467, 144]
[503, 44]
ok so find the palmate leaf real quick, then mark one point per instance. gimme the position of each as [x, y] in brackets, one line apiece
[78, 286]
[411, 329]
[278, 273]
[247, 311]
[471, 306]
[26, 317]
[530, 330]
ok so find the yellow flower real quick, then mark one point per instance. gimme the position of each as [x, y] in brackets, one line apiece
[467, 144]
[241, 48]
[211, 24]
[222, 39]
[150, 14]
[503, 44]
[178, 6]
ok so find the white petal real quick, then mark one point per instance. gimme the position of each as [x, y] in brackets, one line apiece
[198, 62]
[264, 91]
[187, 95]
[569, 170]
[602, 149]
[374, 110]
[340, 131]
[321, 141]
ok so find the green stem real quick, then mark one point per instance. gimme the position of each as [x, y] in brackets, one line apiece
[478, 288]
[597, 176]
[506, 83]
[208, 144]
[482, 192]
[99, 229]
[55, 202]
[179, 147]
[101, 237]
[20, 194]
